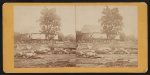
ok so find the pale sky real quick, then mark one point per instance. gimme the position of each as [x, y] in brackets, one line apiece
[26, 18]
[89, 15]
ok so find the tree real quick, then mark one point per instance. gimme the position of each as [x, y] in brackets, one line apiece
[49, 23]
[61, 37]
[21, 37]
[111, 22]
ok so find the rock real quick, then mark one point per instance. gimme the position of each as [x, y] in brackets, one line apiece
[72, 60]
[90, 54]
[19, 55]
[28, 47]
[80, 53]
[120, 51]
[40, 51]
[30, 54]
[101, 52]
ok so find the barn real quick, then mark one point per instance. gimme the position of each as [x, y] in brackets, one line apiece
[97, 35]
[94, 33]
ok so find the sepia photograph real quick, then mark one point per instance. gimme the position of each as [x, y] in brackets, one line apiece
[75, 36]
[106, 36]
[44, 36]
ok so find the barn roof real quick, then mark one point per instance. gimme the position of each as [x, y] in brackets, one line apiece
[37, 36]
[40, 36]
[99, 35]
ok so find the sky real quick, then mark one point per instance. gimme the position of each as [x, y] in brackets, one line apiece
[26, 18]
[89, 15]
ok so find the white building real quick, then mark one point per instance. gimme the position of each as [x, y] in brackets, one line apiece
[40, 36]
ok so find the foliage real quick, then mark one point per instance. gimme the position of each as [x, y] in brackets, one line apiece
[111, 22]
[49, 23]
[20, 37]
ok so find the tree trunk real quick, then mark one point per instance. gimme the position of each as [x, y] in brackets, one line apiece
[52, 44]
[108, 35]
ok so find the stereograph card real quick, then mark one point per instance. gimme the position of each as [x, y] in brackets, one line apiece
[75, 37]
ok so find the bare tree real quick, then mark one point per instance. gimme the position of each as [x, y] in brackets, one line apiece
[49, 23]
[111, 22]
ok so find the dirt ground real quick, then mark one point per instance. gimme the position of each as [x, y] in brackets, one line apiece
[72, 60]
[108, 61]
[53, 60]
[57, 60]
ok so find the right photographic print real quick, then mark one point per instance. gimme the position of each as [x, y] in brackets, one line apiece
[106, 36]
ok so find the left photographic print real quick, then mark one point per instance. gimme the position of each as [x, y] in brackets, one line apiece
[44, 36]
